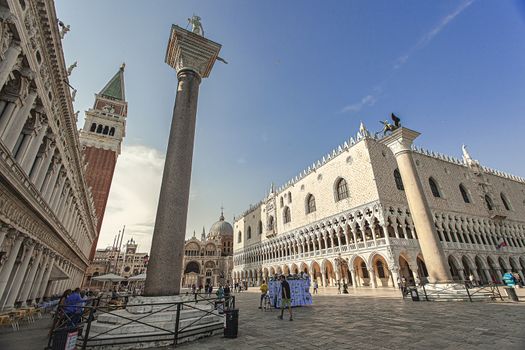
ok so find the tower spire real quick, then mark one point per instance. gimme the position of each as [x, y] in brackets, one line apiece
[114, 89]
[221, 218]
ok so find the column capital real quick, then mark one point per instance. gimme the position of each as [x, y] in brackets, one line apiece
[190, 51]
[400, 140]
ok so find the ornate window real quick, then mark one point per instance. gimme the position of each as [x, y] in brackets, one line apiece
[99, 129]
[259, 227]
[399, 181]
[488, 202]
[112, 132]
[106, 130]
[239, 237]
[310, 204]
[505, 201]
[464, 194]
[270, 223]
[289, 197]
[249, 232]
[434, 188]
[341, 190]
[93, 127]
[286, 215]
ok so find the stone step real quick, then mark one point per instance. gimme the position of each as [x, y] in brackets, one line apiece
[124, 327]
[153, 339]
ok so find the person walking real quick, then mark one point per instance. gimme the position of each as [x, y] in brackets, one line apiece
[73, 307]
[286, 297]
[264, 291]
[316, 286]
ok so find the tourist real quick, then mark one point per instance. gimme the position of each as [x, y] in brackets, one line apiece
[206, 286]
[286, 298]
[472, 280]
[60, 310]
[73, 307]
[227, 290]
[210, 290]
[264, 291]
[316, 286]
[220, 292]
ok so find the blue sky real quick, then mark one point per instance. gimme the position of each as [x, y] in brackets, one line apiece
[300, 78]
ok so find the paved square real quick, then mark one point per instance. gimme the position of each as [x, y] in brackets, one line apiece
[349, 322]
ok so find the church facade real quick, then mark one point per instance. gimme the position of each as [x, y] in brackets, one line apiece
[346, 219]
[209, 260]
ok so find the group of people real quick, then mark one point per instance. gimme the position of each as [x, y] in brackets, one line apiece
[71, 306]
[286, 296]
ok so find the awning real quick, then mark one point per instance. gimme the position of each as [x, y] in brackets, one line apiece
[140, 277]
[58, 274]
[109, 277]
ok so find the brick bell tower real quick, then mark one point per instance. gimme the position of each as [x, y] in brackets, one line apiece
[100, 138]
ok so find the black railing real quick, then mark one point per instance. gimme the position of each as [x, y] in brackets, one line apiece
[471, 292]
[82, 319]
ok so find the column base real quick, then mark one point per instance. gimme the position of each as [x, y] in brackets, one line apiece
[116, 327]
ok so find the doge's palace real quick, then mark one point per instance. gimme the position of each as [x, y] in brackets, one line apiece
[346, 219]
[47, 217]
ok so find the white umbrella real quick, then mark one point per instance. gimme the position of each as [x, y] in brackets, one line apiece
[109, 277]
[140, 277]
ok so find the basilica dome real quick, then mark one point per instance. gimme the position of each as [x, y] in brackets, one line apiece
[221, 229]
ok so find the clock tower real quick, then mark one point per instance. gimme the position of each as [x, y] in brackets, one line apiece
[101, 138]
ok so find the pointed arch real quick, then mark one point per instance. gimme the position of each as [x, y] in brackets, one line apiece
[287, 217]
[505, 201]
[434, 187]
[310, 204]
[341, 189]
[489, 203]
[464, 193]
[399, 181]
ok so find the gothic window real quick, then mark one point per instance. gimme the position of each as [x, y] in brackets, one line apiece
[341, 190]
[488, 202]
[505, 201]
[112, 132]
[434, 187]
[239, 237]
[289, 197]
[259, 228]
[282, 202]
[310, 204]
[99, 129]
[249, 232]
[270, 223]
[93, 127]
[464, 194]
[106, 130]
[399, 181]
[286, 215]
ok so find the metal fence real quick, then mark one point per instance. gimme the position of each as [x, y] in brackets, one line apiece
[471, 292]
[81, 319]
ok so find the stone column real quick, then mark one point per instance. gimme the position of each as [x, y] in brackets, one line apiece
[372, 275]
[17, 122]
[400, 143]
[28, 159]
[7, 65]
[395, 275]
[38, 281]
[323, 279]
[45, 280]
[20, 274]
[49, 185]
[39, 175]
[354, 280]
[193, 57]
[26, 287]
[11, 259]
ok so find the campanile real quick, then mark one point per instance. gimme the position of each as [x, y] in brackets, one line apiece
[101, 139]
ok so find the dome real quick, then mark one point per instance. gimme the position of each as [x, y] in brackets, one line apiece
[220, 229]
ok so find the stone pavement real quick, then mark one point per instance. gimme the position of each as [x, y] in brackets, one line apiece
[361, 321]
[347, 322]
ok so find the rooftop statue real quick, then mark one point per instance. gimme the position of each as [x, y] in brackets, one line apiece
[390, 127]
[196, 25]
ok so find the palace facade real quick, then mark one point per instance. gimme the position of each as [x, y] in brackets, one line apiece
[346, 218]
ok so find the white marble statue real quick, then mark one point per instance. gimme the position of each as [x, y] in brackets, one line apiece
[70, 68]
[196, 25]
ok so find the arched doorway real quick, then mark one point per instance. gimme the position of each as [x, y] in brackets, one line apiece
[381, 272]
[480, 270]
[316, 271]
[192, 274]
[405, 270]
[493, 271]
[329, 274]
[466, 266]
[294, 269]
[304, 268]
[454, 269]
[362, 276]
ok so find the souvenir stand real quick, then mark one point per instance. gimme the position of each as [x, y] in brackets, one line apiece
[299, 288]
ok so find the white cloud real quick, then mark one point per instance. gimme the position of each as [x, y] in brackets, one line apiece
[427, 38]
[134, 196]
[368, 100]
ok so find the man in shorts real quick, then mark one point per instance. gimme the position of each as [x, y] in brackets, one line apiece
[286, 297]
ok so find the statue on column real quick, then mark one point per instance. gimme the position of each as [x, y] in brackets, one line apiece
[196, 25]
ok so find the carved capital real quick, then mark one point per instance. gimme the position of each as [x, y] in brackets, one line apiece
[400, 141]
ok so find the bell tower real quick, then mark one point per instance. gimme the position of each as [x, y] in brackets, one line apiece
[101, 138]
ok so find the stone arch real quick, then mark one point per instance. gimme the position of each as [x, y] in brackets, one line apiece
[404, 269]
[493, 270]
[271, 271]
[362, 277]
[294, 269]
[455, 268]
[192, 266]
[480, 269]
[303, 267]
[315, 269]
[514, 265]
[422, 268]
[503, 264]
[381, 276]
[329, 273]
[468, 266]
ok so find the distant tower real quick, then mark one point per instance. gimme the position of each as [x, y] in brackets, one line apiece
[131, 247]
[101, 137]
